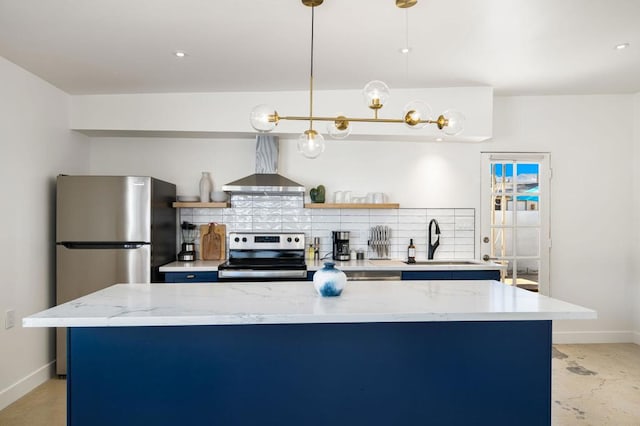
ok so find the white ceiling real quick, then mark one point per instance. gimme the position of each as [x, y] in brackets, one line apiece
[514, 46]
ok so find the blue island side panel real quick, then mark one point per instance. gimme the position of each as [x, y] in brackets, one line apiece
[438, 373]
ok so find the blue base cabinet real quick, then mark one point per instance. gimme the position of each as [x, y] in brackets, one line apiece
[452, 275]
[432, 373]
[212, 276]
[191, 277]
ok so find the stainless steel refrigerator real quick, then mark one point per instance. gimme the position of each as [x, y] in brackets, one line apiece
[110, 229]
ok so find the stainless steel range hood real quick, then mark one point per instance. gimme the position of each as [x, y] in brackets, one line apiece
[266, 179]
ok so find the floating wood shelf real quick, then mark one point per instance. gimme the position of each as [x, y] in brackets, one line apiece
[200, 205]
[185, 204]
[352, 206]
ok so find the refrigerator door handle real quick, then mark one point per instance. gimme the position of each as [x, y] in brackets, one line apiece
[102, 245]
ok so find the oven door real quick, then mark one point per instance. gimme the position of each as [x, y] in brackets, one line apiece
[228, 272]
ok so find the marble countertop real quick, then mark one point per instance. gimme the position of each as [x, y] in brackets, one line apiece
[195, 266]
[353, 265]
[297, 302]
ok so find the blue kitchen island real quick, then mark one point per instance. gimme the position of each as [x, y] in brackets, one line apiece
[383, 353]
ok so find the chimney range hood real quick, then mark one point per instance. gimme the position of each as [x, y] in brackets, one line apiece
[266, 179]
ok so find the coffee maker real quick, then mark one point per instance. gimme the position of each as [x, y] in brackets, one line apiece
[188, 252]
[341, 245]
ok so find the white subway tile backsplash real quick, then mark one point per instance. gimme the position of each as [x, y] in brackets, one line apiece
[354, 212]
[241, 197]
[326, 212]
[296, 227]
[296, 219]
[294, 211]
[412, 212]
[422, 220]
[244, 203]
[266, 226]
[326, 219]
[267, 204]
[464, 234]
[464, 241]
[267, 211]
[383, 212]
[465, 212]
[239, 227]
[354, 219]
[287, 213]
[441, 219]
[465, 223]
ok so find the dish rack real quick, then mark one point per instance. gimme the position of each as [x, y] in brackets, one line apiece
[380, 241]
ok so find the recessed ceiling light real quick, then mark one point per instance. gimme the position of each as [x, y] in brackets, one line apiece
[404, 50]
[179, 54]
[439, 139]
[622, 46]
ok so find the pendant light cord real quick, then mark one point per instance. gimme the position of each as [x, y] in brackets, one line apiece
[311, 73]
[406, 45]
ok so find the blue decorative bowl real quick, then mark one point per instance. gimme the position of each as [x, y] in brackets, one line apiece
[329, 281]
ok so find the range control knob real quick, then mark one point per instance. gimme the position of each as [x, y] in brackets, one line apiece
[236, 239]
[288, 239]
[297, 240]
[244, 239]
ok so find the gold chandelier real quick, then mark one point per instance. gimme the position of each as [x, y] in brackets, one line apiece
[416, 114]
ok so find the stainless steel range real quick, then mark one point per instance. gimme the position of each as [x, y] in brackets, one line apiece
[264, 256]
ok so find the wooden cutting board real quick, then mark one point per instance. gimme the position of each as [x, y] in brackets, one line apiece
[213, 237]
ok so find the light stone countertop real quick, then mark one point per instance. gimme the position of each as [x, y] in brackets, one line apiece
[353, 265]
[297, 302]
[195, 266]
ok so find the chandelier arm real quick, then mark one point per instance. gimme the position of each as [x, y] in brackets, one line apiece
[361, 120]
[441, 121]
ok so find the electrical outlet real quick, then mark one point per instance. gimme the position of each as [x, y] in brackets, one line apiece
[9, 319]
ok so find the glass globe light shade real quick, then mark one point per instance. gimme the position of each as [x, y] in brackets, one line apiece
[261, 118]
[375, 94]
[339, 128]
[311, 144]
[416, 113]
[455, 123]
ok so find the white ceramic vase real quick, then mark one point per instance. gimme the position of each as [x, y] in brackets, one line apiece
[329, 281]
[205, 187]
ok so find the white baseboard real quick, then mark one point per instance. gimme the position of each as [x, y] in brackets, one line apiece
[577, 337]
[26, 384]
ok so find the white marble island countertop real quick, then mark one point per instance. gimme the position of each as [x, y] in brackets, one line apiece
[124, 305]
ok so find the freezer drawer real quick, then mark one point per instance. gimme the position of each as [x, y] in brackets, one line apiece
[81, 271]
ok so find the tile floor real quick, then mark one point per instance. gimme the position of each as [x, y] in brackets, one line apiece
[592, 385]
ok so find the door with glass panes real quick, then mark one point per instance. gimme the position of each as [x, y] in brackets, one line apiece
[515, 217]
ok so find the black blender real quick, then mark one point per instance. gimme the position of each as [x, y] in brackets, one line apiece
[188, 252]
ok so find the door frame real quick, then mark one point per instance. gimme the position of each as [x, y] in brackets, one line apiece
[545, 175]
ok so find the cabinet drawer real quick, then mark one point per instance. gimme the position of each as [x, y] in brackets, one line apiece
[476, 275]
[426, 275]
[452, 275]
[191, 277]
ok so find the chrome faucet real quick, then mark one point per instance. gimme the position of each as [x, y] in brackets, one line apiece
[434, 246]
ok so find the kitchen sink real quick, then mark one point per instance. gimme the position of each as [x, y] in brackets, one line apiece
[443, 262]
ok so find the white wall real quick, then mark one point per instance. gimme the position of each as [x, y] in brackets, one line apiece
[35, 145]
[591, 204]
